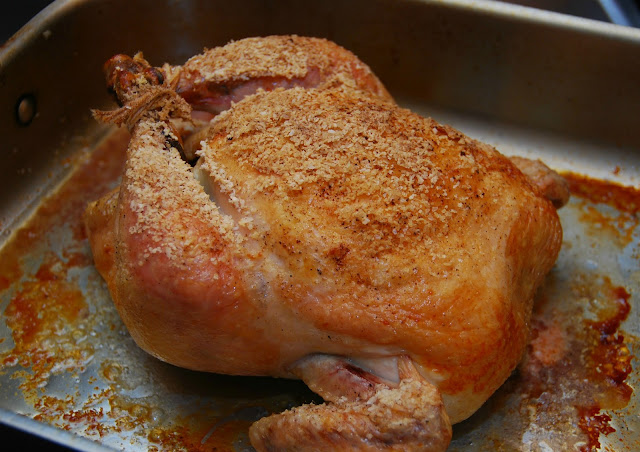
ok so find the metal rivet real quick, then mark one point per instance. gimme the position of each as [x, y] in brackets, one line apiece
[26, 109]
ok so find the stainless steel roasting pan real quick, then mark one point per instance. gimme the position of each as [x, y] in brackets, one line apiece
[543, 85]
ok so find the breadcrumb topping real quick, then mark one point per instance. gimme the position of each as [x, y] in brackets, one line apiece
[284, 56]
[291, 57]
[378, 172]
[170, 206]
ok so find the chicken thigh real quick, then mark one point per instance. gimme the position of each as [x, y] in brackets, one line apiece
[325, 234]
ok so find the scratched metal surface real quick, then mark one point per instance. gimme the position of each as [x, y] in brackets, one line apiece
[88, 386]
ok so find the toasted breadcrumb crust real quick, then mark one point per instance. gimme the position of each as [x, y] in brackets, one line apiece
[274, 57]
[168, 202]
[258, 57]
[374, 222]
[384, 173]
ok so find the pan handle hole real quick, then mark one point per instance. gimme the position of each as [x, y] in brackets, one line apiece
[26, 109]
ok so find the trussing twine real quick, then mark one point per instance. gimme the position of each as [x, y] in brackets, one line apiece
[162, 100]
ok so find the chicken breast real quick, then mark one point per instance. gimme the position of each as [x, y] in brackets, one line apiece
[325, 234]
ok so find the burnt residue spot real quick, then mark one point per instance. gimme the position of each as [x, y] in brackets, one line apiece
[609, 326]
[607, 360]
[593, 424]
[623, 198]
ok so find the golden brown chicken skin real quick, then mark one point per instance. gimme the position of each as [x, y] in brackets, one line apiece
[329, 235]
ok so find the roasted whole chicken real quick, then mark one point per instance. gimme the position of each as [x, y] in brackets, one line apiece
[280, 215]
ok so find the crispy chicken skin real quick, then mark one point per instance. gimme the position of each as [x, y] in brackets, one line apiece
[325, 234]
